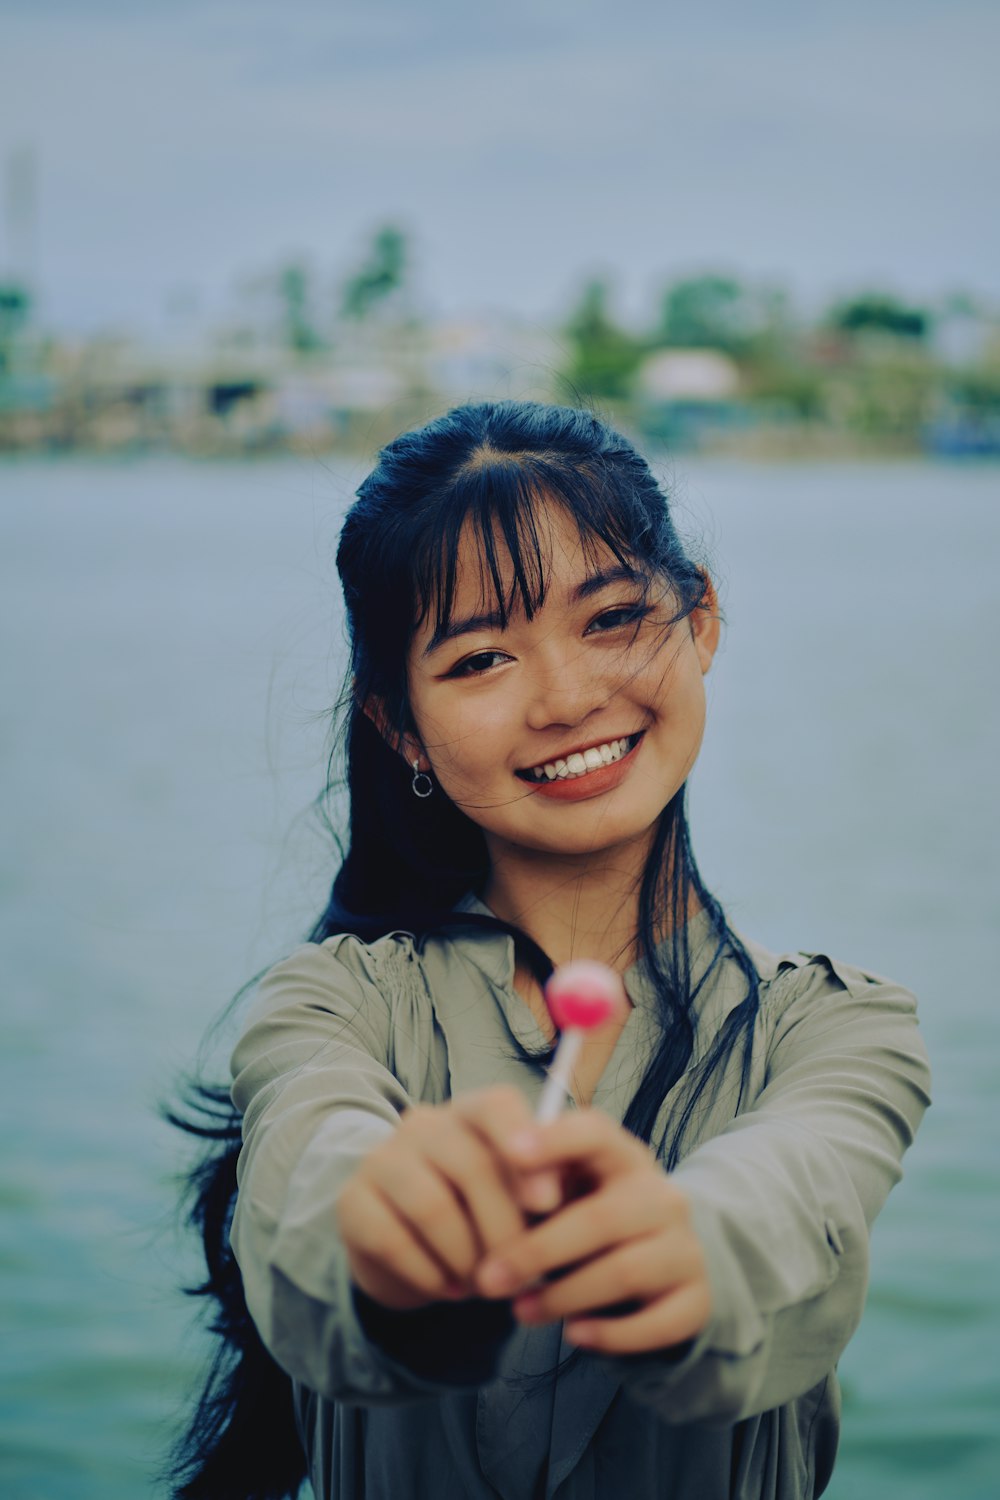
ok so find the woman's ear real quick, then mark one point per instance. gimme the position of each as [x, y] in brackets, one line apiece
[706, 623]
[404, 744]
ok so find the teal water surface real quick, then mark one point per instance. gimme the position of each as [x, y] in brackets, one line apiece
[171, 643]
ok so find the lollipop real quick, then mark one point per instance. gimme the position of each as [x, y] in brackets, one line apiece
[580, 997]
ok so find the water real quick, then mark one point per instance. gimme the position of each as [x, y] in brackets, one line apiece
[171, 641]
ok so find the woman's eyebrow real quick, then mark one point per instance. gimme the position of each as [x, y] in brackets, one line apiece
[490, 620]
[622, 573]
[451, 628]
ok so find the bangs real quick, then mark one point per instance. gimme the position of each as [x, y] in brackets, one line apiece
[501, 501]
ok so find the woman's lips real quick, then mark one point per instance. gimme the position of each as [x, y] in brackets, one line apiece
[591, 783]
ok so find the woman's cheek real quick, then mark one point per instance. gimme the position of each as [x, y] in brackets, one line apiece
[467, 751]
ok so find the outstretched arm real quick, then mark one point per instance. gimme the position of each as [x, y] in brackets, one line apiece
[360, 1214]
[747, 1267]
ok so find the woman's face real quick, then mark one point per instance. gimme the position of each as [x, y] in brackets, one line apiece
[569, 733]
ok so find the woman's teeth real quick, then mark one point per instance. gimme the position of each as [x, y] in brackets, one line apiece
[583, 761]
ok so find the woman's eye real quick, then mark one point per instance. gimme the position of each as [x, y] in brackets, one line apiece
[613, 619]
[474, 666]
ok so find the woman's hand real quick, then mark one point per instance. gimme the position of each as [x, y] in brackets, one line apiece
[628, 1238]
[424, 1208]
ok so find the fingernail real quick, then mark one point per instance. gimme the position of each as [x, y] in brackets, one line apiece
[541, 1194]
[524, 1143]
[495, 1278]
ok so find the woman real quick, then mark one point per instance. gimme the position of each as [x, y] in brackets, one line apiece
[651, 1293]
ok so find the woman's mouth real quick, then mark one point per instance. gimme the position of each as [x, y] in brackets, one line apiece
[581, 762]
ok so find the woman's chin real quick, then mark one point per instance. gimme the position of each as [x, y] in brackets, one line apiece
[581, 837]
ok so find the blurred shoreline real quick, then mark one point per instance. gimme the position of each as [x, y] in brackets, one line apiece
[724, 368]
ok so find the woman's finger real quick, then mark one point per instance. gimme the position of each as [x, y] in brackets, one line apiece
[673, 1319]
[372, 1277]
[498, 1115]
[625, 1209]
[423, 1198]
[387, 1261]
[640, 1271]
[540, 1192]
[482, 1182]
[579, 1137]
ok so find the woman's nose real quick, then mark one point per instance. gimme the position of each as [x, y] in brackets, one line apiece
[564, 688]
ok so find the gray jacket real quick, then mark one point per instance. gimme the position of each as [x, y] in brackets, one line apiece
[344, 1035]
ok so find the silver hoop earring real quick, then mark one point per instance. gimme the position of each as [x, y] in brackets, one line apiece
[422, 785]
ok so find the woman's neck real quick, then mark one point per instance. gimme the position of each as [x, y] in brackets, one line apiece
[586, 907]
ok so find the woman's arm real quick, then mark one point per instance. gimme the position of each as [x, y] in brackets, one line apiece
[320, 1103]
[780, 1204]
[784, 1200]
[311, 1082]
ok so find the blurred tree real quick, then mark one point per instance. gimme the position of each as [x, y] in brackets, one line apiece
[15, 311]
[15, 306]
[604, 357]
[786, 385]
[381, 275]
[889, 399]
[717, 312]
[978, 390]
[875, 312]
[295, 292]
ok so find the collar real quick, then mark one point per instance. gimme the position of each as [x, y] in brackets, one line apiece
[492, 952]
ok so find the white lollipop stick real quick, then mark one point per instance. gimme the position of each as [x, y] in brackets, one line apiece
[580, 997]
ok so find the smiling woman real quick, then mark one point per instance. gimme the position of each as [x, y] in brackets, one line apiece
[428, 1292]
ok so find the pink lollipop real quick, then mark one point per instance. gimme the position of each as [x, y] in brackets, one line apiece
[580, 996]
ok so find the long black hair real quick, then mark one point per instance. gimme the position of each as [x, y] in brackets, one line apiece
[408, 861]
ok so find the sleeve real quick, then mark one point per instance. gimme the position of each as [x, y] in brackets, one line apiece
[784, 1197]
[312, 1081]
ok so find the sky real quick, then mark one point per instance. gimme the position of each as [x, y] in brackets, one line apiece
[183, 149]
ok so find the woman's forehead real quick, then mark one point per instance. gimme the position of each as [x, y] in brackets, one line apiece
[554, 560]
